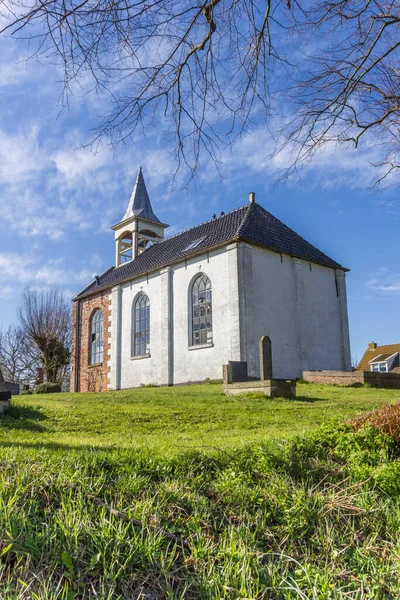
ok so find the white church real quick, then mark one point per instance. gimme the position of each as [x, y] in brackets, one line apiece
[175, 309]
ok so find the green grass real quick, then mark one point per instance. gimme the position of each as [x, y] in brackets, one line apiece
[272, 505]
[174, 420]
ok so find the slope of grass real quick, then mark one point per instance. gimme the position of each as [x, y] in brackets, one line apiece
[266, 517]
[173, 420]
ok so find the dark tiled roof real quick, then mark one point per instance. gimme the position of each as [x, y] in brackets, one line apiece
[250, 223]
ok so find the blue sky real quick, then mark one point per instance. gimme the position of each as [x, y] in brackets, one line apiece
[58, 199]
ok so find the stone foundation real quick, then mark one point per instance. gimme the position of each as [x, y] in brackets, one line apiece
[354, 378]
[273, 388]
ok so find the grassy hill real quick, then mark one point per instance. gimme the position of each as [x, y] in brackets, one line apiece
[270, 503]
[177, 419]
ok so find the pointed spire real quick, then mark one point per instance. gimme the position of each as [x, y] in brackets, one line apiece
[139, 204]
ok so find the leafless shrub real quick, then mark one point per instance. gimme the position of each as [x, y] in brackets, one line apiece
[45, 320]
[385, 419]
[19, 357]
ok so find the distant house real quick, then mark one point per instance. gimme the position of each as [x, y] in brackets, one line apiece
[381, 359]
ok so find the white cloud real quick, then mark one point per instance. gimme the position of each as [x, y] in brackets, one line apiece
[6, 291]
[385, 282]
[75, 164]
[20, 156]
[333, 165]
[31, 270]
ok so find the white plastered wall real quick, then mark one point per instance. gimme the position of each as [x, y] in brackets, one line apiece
[255, 292]
[172, 360]
[301, 306]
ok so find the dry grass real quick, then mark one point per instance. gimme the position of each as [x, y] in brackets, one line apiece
[385, 419]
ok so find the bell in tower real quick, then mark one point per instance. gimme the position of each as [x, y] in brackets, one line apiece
[139, 227]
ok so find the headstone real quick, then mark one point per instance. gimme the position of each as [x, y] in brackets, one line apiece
[2, 383]
[5, 395]
[235, 371]
[265, 358]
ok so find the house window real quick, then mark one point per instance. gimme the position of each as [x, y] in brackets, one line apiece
[379, 367]
[141, 326]
[201, 311]
[96, 338]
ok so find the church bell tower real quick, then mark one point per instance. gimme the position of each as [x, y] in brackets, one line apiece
[139, 227]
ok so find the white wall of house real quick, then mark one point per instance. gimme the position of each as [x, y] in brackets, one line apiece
[195, 363]
[299, 306]
[172, 359]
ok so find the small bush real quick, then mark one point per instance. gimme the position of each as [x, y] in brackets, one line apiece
[24, 392]
[48, 388]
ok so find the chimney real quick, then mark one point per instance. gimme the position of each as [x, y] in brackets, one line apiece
[371, 346]
[252, 198]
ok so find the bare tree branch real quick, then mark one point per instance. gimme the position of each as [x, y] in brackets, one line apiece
[203, 72]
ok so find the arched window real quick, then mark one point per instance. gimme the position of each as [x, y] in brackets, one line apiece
[96, 337]
[201, 311]
[141, 326]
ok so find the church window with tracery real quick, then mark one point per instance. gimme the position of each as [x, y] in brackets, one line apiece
[96, 337]
[141, 326]
[201, 298]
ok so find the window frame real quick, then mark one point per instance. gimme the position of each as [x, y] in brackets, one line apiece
[96, 339]
[200, 337]
[380, 367]
[141, 349]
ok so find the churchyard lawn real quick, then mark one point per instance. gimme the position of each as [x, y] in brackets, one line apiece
[178, 419]
[271, 504]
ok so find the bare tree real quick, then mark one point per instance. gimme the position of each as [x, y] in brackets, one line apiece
[19, 357]
[348, 88]
[206, 70]
[45, 320]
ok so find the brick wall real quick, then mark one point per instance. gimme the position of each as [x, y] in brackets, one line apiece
[85, 377]
[354, 378]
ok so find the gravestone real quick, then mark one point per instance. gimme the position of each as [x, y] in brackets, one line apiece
[236, 381]
[5, 395]
[234, 371]
[265, 358]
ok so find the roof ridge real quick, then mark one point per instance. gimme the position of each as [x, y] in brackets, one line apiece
[250, 208]
[382, 346]
[293, 231]
[200, 224]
